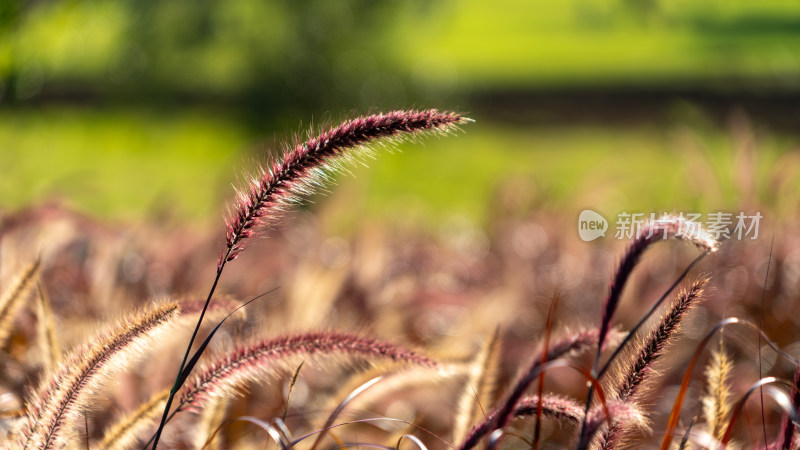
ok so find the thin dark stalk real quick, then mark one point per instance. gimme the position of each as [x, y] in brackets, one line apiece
[630, 335]
[761, 327]
[650, 351]
[177, 385]
[548, 329]
[636, 327]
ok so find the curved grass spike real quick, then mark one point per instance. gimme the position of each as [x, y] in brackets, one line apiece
[479, 387]
[653, 347]
[666, 227]
[260, 357]
[560, 408]
[64, 396]
[740, 405]
[299, 173]
[651, 232]
[126, 430]
[717, 400]
[11, 300]
[575, 341]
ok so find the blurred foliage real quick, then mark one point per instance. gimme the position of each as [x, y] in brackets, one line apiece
[107, 90]
[120, 163]
[268, 57]
[318, 55]
[711, 44]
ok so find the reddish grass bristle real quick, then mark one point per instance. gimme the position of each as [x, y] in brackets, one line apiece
[260, 356]
[302, 169]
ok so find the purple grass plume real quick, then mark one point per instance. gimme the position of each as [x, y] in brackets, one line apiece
[652, 348]
[262, 357]
[651, 232]
[560, 408]
[61, 400]
[305, 167]
[300, 172]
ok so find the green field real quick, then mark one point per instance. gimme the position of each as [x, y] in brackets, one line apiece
[122, 164]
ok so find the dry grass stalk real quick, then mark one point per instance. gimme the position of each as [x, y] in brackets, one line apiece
[64, 397]
[224, 377]
[126, 431]
[479, 388]
[11, 301]
[652, 348]
[717, 401]
[211, 419]
[49, 347]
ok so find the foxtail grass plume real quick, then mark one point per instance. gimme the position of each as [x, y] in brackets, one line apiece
[12, 299]
[61, 399]
[306, 166]
[261, 357]
[126, 431]
[641, 367]
[668, 227]
[717, 401]
[479, 387]
[300, 172]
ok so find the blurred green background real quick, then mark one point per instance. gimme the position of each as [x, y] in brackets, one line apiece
[129, 109]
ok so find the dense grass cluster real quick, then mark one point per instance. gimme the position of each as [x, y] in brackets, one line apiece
[373, 342]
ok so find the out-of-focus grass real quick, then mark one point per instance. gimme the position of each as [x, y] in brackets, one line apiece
[119, 164]
[123, 164]
[564, 168]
